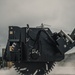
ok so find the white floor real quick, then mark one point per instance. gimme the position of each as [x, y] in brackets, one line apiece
[68, 69]
[63, 71]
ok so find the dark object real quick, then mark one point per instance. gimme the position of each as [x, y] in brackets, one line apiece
[35, 50]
